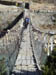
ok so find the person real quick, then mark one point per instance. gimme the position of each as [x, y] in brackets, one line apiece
[26, 22]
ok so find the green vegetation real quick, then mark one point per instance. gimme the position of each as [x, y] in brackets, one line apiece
[36, 0]
[8, 22]
[2, 67]
[17, 4]
[54, 19]
[50, 66]
[0, 28]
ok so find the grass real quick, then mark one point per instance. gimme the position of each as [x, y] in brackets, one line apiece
[2, 67]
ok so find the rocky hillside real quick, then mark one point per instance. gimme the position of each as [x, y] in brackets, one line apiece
[7, 15]
[47, 1]
[40, 1]
[16, 0]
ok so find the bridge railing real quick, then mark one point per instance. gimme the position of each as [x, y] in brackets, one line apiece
[9, 48]
[38, 46]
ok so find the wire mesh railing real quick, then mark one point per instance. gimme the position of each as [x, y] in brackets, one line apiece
[9, 48]
[38, 45]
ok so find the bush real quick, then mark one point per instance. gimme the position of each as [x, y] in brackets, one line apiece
[17, 4]
[50, 66]
[2, 67]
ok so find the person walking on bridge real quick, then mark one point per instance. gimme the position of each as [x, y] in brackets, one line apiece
[26, 22]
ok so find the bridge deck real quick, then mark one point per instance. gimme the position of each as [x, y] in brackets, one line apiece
[25, 62]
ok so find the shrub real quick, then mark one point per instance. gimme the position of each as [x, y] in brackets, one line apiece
[50, 66]
[2, 67]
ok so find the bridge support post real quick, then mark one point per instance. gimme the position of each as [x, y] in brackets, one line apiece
[51, 40]
[48, 52]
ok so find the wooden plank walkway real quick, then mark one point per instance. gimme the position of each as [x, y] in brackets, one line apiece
[25, 62]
